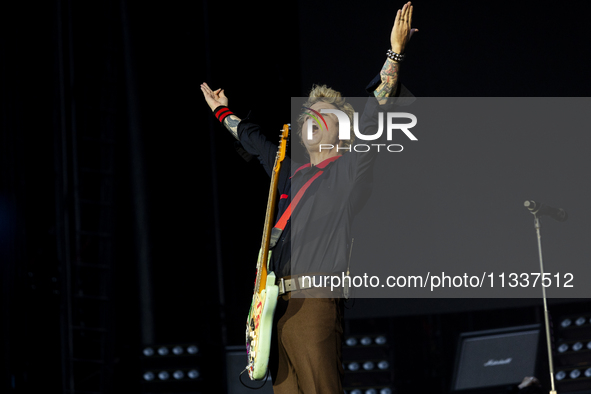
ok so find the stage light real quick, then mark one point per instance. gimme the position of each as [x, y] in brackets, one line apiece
[577, 346]
[163, 350]
[163, 375]
[148, 352]
[580, 321]
[562, 348]
[366, 363]
[575, 373]
[193, 349]
[565, 323]
[588, 373]
[177, 350]
[170, 349]
[589, 345]
[386, 390]
[170, 364]
[560, 375]
[178, 375]
[149, 376]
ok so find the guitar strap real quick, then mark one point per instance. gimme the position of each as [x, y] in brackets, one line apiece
[278, 229]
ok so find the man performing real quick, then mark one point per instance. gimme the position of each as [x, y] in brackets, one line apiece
[307, 344]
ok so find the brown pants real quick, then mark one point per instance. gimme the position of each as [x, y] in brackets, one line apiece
[307, 345]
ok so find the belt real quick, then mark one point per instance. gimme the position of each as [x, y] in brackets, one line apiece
[303, 282]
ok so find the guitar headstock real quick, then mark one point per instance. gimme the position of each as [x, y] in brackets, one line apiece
[283, 141]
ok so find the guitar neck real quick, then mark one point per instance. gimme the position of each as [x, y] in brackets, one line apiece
[271, 204]
[261, 279]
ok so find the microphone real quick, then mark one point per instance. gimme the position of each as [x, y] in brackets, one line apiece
[542, 209]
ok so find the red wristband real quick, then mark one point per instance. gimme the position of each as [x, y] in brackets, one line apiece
[221, 112]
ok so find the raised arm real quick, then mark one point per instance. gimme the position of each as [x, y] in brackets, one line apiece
[216, 99]
[399, 37]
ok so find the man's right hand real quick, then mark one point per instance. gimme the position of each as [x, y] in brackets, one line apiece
[214, 98]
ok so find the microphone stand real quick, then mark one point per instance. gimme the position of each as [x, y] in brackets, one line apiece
[546, 318]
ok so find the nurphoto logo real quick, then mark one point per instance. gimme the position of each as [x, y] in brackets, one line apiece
[345, 129]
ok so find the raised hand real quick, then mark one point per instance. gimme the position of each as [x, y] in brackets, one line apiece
[402, 31]
[214, 98]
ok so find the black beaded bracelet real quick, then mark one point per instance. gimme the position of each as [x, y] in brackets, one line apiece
[397, 57]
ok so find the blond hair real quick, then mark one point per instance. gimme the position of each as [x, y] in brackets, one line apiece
[327, 95]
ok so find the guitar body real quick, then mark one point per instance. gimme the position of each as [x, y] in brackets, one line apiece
[259, 323]
[259, 329]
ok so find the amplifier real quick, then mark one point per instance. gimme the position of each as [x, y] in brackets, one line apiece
[493, 358]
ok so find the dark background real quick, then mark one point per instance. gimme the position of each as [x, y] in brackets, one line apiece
[131, 71]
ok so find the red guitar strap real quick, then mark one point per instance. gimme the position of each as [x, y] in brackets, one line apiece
[278, 229]
[294, 202]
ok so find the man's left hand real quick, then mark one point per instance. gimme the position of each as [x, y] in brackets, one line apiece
[402, 31]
